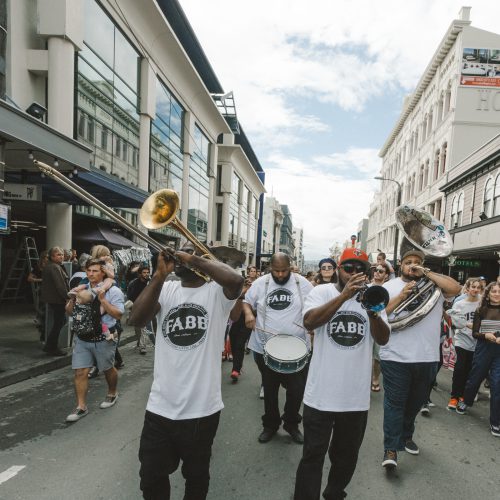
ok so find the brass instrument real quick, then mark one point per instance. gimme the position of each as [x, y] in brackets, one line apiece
[373, 298]
[158, 210]
[422, 231]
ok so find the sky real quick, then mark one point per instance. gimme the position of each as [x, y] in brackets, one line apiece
[318, 87]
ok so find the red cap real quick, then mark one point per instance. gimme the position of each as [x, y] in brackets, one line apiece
[353, 254]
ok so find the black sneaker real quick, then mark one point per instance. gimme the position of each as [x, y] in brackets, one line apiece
[297, 436]
[411, 447]
[461, 408]
[390, 459]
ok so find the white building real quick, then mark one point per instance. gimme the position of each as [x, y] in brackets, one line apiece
[448, 116]
[132, 105]
[298, 239]
[272, 220]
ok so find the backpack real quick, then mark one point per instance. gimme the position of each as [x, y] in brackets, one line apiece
[86, 323]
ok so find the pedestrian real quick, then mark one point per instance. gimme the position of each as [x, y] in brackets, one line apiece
[35, 277]
[96, 338]
[238, 332]
[410, 359]
[462, 316]
[80, 275]
[183, 410]
[337, 395]
[54, 294]
[382, 260]
[251, 273]
[326, 271]
[486, 329]
[135, 288]
[277, 299]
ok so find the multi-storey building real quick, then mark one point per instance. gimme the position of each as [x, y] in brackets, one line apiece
[272, 220]
[298, 241]
[129, 104]
[287, 244]
[448, 116]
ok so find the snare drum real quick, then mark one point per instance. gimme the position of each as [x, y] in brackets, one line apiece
[286, 353]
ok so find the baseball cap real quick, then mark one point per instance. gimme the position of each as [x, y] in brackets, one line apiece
[415, 252]
[354, 254]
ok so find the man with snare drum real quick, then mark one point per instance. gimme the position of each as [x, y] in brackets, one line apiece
[277, 299]
[337, 394]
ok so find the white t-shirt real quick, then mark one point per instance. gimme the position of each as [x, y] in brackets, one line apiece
[418, 343]
[463, 336]
[341, 365]
[190, 333]
[278, 311]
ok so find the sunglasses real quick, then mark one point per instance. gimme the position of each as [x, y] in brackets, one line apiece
[351, 268]
[381, 270]
[326, 268]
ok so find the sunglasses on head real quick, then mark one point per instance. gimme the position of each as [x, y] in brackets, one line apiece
[351, 268]
[326, 268]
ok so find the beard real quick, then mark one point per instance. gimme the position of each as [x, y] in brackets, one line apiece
[185, 273]
[281, 281]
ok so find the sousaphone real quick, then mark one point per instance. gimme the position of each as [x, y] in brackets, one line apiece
[427, 234]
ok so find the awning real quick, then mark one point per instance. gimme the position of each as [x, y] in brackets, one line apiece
[102, 235]
[106, 188]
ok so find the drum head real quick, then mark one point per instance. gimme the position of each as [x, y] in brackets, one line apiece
[424, 231]
[286, 347]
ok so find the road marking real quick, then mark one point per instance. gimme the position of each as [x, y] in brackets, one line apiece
[11, 472]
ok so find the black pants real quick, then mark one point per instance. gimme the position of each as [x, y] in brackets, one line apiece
[164, 443]
[238, 339]
[294, 384]
[463, 366]
[346, 430]
[58, 314]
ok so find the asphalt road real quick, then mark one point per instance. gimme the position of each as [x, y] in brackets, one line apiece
[43, 458]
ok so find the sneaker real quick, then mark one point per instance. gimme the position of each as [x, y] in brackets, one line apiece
[461, 408]
[77, 415]
[424, 411]
[266, 435]
[411, 447]
[234, 375]
[261, 393]
[452, 403]
[390, 459]
[495, 430]
[109, 401]
[94, 371]
[297, 436]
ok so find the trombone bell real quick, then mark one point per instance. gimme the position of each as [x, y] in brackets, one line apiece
[159, 209]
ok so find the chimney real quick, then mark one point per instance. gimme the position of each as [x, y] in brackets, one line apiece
[464, 14]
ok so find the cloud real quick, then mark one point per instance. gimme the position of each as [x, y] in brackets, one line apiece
[328, 202]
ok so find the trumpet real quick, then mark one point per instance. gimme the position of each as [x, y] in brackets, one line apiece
[373, 298]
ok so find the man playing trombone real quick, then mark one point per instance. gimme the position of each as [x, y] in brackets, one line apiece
[409, 361]
[183, 410]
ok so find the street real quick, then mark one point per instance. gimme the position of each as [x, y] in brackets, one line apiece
[42, 457]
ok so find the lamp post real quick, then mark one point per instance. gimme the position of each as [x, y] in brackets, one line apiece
[396, 232]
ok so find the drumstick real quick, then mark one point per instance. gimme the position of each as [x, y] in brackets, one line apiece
[267, 331]
[300, 326]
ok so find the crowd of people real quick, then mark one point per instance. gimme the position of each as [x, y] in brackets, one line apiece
[311, 335]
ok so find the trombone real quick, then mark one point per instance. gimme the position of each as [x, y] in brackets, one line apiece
[159, 210]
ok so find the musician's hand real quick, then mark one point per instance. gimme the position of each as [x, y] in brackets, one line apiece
[184, 257]
[417, 270]
[354, 285]
[165, 264]
[407, 290]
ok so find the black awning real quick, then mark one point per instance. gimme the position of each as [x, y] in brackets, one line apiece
[106, 188]
[99, 234]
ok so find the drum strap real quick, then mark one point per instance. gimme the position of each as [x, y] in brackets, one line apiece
[263, 336]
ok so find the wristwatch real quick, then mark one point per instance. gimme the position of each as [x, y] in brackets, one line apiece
[426, 271]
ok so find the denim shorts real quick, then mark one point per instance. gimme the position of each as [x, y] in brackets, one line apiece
[86, 354]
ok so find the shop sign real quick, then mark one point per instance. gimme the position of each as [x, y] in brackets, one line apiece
[4, 219]
[25, 192]
[467, 263]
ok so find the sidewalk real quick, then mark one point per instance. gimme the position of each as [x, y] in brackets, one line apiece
[21, 355]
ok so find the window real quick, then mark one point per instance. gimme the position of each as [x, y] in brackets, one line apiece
[447, 99]
[436, 164]
[488, 197]
[460, 209]
[496, 197]
[443, 157]
[421, 178]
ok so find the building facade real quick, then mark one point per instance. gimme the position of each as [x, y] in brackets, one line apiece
[272, 221]
[298, 241]
[287, 244]
[132, 105]
[449, 115]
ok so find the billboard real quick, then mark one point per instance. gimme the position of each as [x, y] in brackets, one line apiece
[480, 67]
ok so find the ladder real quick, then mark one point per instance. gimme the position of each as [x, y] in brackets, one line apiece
[26, 258]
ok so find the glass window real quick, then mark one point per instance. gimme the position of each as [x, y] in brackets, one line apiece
[460, 208]
[488, 195]
[496, 197]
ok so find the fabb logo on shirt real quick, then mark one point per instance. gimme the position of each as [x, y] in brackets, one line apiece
[347, 329]
[279, 299]
[185, 327]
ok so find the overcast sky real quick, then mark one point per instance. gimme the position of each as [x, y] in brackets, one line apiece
[318, 87]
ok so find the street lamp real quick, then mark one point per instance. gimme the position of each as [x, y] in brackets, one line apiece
[396, 232]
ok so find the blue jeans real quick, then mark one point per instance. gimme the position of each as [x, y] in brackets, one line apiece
[406, 390]
[486, 359]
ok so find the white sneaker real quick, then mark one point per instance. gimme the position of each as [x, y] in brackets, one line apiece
[425, 410]
[261, 393]
[77, 415]
[109, 401]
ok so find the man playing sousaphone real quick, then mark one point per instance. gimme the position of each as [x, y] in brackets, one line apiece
[337, 394]
[277, 298]
[409, 361]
